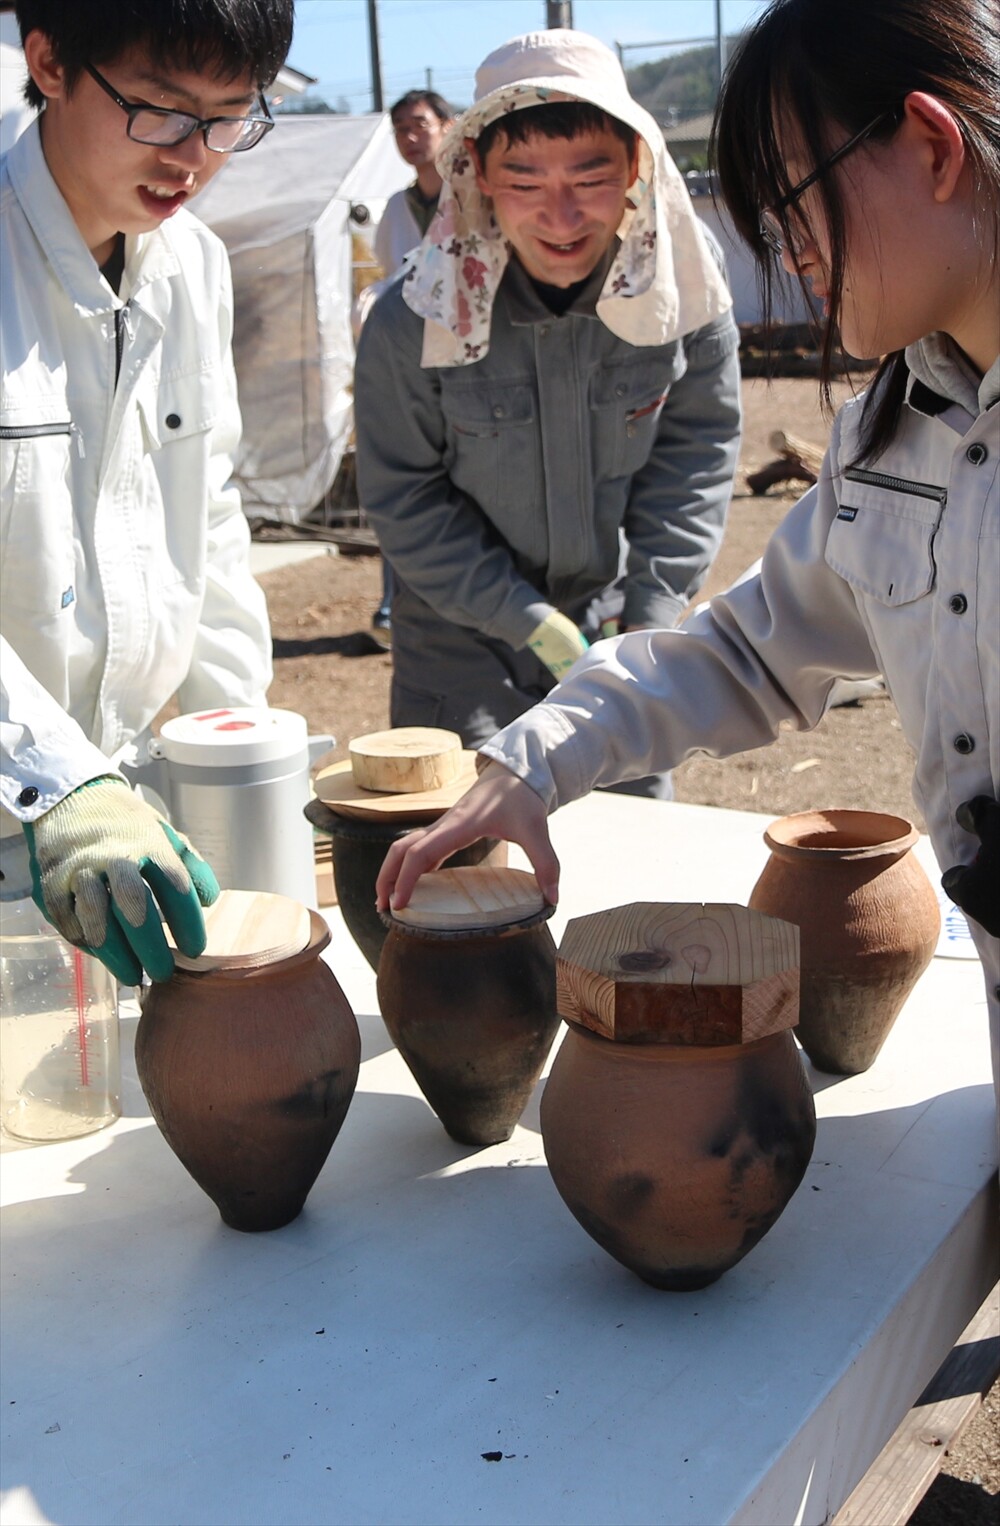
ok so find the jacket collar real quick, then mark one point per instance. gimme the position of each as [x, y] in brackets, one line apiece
[524, 305]
[940, 376]
[148, 256]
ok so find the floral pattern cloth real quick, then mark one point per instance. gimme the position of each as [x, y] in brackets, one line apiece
[663, 282]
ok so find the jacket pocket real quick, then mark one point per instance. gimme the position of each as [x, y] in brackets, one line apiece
[173, 408]
[882, 540]
[494, 455]
[626, 401]
[41, 470]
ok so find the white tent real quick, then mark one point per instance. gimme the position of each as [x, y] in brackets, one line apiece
[287, 212]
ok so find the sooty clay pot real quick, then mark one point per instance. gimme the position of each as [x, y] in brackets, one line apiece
[249, 1074]
[473, 1013]
[359, 847]
[677, 1159]
[869, 923]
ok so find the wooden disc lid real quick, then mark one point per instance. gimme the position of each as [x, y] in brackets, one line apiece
[337, 788]
[248, 929]
[476, 897]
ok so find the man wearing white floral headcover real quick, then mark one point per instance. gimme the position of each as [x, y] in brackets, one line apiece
[547, 401]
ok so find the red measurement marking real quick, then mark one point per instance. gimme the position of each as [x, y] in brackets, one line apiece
[81, 1015]
[212, 715]
[237, 726]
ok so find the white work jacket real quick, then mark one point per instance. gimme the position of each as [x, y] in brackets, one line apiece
[125, 576]
[890, 568]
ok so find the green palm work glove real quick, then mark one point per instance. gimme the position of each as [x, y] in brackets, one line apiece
[98, 859]
[558, 643]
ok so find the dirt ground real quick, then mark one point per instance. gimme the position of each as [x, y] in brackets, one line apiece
[328, 669]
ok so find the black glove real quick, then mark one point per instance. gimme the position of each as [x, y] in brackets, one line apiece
[975, 887]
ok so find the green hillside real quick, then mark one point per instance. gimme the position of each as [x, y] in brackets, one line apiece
[684, 83]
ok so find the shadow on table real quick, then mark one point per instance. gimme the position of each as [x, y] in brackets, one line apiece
[410, 1245]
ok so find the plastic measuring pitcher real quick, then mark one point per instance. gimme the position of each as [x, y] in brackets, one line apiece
[60, 1070]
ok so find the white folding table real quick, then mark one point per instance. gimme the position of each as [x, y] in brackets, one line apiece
[435, 1302]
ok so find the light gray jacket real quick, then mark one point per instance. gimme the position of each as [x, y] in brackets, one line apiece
[890, 569]
[563, 459]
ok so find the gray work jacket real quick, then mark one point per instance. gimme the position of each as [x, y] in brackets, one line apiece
[562, 462]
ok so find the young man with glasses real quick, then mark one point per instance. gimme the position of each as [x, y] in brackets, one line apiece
[125, 577]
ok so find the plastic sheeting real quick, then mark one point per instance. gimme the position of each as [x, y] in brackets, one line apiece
[284, 212]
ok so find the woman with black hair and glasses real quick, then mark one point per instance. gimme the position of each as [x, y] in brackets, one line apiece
[858, 142]
[125, 575]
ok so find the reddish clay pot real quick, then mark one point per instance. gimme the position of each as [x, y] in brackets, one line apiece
[868, 919]
[473, 1013]
[677, 1159]
[249, 1074]
[359, 847]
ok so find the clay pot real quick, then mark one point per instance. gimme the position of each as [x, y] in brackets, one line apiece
[249, 1074]
[473, 1013]
[359, 848]
[869, 924]
[677, 1159]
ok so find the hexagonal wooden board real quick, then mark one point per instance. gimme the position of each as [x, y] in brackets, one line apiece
[679, 973]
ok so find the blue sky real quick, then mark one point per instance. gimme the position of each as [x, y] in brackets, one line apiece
[451, 37]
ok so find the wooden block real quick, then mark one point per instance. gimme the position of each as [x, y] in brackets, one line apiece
[792, 447]
[247, 929]
[326, 889]
[406, 760]
[479, 896]
[675, 973]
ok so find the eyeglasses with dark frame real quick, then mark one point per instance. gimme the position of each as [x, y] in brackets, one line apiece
[163, 128]
[770, 225]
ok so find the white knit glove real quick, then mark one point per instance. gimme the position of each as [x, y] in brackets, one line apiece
[98, 859]
[558, 643]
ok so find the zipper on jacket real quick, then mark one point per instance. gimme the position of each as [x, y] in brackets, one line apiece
[40, 431]
[897, 484]
[123, 330]
[33, 431]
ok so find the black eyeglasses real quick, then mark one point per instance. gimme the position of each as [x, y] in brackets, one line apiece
[165, 129]
[771, 228]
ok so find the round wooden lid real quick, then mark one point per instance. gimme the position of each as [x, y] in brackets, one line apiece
[406, 760]
[248, 929]
[473, 897]
[337, 787]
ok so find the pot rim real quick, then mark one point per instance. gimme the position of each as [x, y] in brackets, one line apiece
[319, 937]
[884, 834]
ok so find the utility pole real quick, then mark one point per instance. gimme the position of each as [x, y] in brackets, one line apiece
[374, 55]
[720, 48]
[558, 13]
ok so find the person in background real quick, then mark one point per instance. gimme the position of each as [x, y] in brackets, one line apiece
[125, 573]
[420, 119]
[844, 125]
[547, 400]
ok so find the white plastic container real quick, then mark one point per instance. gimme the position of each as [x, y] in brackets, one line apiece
[236, 782]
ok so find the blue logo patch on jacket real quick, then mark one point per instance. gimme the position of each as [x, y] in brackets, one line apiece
[844, 512]
[67, 598]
